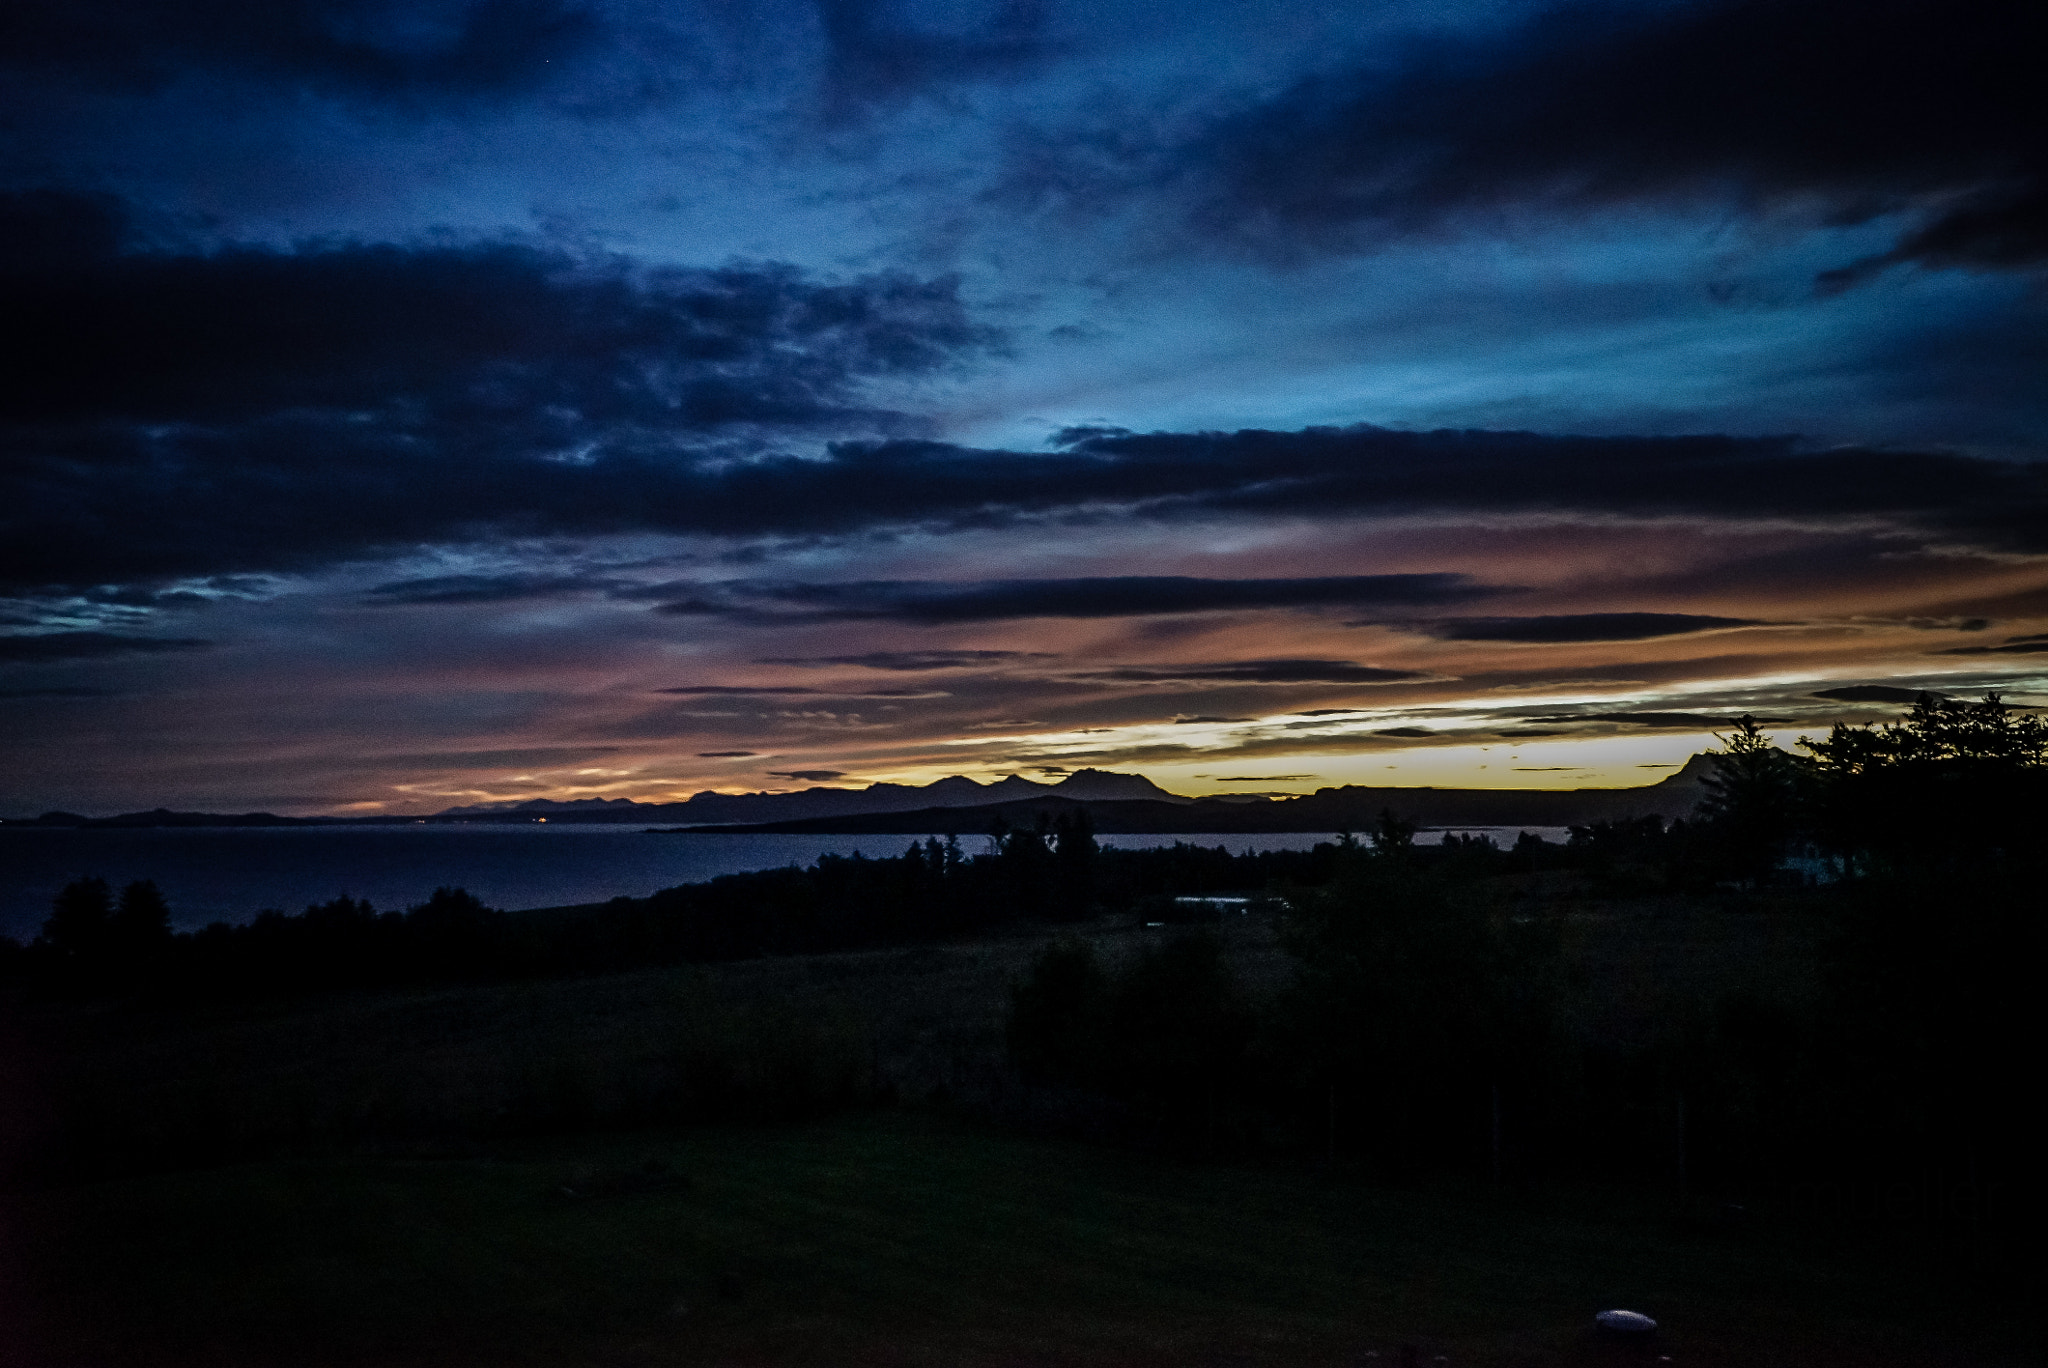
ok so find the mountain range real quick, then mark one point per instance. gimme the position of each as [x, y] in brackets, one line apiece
[1088, 786]
[1116, 803]
[1349, 808]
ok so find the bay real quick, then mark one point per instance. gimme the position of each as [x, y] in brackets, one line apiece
[231, 873]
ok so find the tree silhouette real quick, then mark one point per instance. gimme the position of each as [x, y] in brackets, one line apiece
[1392, 837]
[1178, 1028]
[138, 933]
[142, 921]
[1075, 853]
[80, 924]
[1953, 783]
[1417, 1004]
[1754, 801]
[1059, 1018]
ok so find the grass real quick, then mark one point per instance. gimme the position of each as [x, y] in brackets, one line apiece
[908, 1237]
[386, 1215]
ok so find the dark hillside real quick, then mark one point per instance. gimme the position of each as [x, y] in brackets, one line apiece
[1351, 808]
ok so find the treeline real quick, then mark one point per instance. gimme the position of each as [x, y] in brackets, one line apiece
[1433, 1021]
[1953, 789]
[1430, 1026]
[97, 941]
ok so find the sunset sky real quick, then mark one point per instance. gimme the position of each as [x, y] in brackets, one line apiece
[425, 402]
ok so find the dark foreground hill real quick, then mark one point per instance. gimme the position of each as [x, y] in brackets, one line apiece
[798, 1160]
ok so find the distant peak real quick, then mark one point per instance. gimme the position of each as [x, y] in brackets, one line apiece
[1108, 786]
[1691, 774]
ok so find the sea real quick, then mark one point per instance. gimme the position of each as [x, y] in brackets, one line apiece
[230, 874]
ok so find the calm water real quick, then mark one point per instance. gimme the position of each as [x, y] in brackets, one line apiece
[229, 874]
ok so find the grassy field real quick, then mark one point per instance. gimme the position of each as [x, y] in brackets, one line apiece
[841, 1195]
[912, 1238]
[168, 1085]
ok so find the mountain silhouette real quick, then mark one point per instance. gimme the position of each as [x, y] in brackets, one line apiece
[1116, 802]
[1086, 785]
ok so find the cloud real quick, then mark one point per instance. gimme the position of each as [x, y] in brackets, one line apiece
[450, 49]
[49, 646]
[250, 409]
[912, 660]
[873, 60]
[1261, 778]
[2019, 645]
[2005, 228]
[70, 691]
[1831, 110]
[247, 410]
[1274, 671]
[930, 601]
[1406, 732]
[1184, 721]
[1569, 627]
[735, 689]
[1873, 693]
[1368, 469]
[726, 755]
[519, 757]
[817, 776]
[749, 690]
[505, 588]
[1654, 719]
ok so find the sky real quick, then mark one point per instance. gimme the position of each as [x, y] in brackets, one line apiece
[458, 401]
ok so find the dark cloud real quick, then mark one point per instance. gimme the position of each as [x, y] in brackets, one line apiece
[507, 588]
[1567, 627]
[519, 756]
[818, 776]
[2024, 645]
[2001, 229]
[73, 691]
[1409, 732]
[419, 49]
[875, 58]
[912, 660]
[726, 755]
[1367, 469]
[1872, 693]
[1843, 109]
[1261, 778]
[484, 337]
[1278, 671]
[749, 690]
[734, 689]
[248, 409]
[1204, 717]
[44, 646]
[753, 690]
[932, 601]
[1654, 719]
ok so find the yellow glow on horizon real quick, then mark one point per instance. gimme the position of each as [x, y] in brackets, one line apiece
[1567, 763]
[1612, 761]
